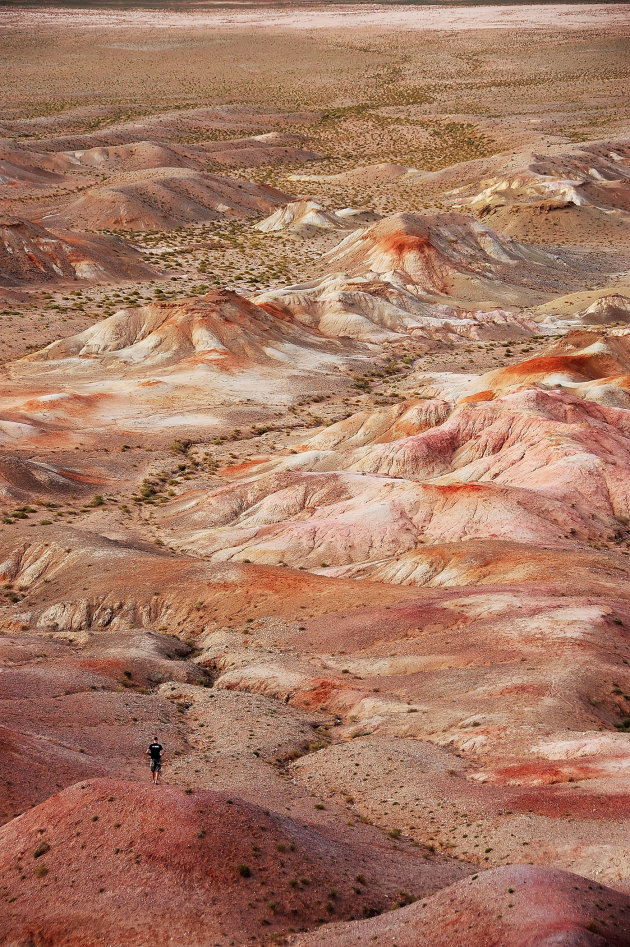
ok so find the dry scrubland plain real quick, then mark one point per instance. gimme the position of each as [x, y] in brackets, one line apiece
[315, 427]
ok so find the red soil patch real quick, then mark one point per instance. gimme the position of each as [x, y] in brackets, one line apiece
[399, 243]
[110, 861]
[556, 803]
[619, 381]
[460, 489]
[514, 906]
[544, 773]
[318, 695]
[367, 626]
[277, 312]
[479, 396]
[81, 478]
[235, 469]
[546, 365]
[518, 690]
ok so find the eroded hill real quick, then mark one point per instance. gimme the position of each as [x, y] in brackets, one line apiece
[315, 463]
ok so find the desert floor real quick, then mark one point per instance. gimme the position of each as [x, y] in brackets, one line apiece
[315, 462]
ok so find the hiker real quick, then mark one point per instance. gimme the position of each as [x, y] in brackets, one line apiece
[155, 751]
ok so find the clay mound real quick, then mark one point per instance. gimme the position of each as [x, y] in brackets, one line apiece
[327, 520]
[508, 430]
[132, 586]
[583, 361]
[538, 190]
[604, 159]
[254, 151]
[612, 346]
[15, 173]
[162, 198]
[143, 658]
[306, 217]
[511, 906]
[540, 467]
[23, 168]
[22, 479]
[221, 328]
[31, 254]
[382, 310]
[108, 860]
[372, 174]
[381, 426]
[171, 126]
[550, 211]
[136, 156]
[607, 309]
[600, 171]
[477, 563]
[270, 148]
[434, 251]
[33, 766]
[556, 195]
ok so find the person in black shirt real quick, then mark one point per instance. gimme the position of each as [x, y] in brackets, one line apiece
[155, 750]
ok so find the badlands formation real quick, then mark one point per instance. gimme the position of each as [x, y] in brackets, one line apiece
[315, 462]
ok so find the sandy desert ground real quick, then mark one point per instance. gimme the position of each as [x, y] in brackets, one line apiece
[315, 461]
